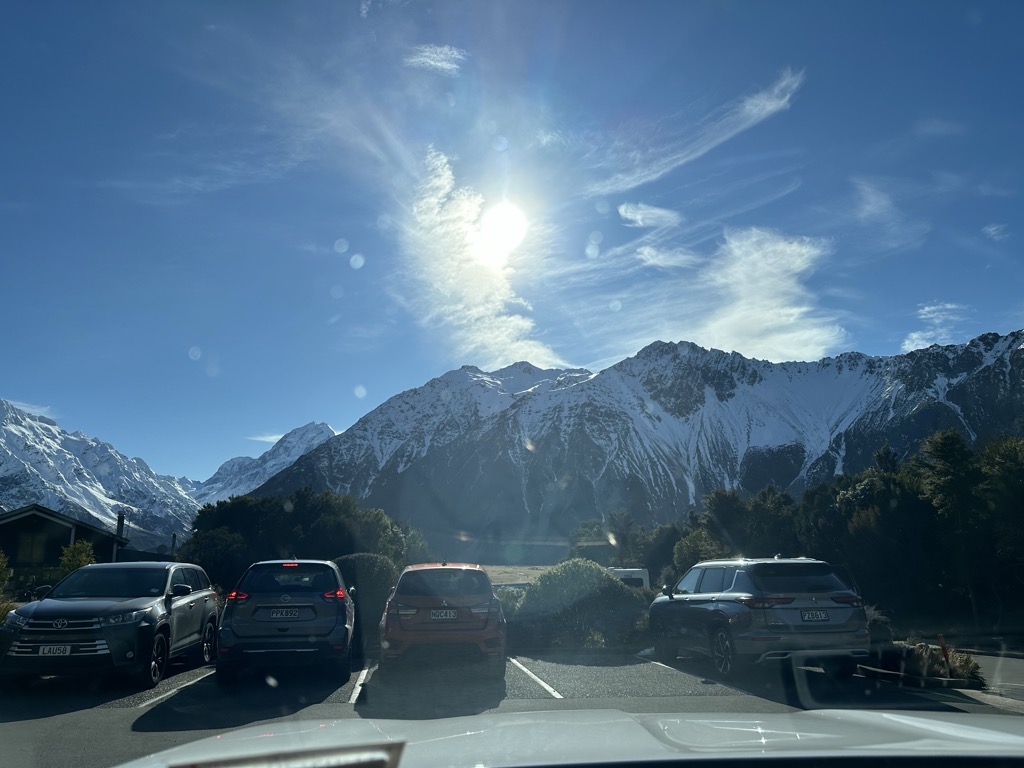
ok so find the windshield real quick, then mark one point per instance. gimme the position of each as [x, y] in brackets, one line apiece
[112, 582]
[796, 577]
[444, 364]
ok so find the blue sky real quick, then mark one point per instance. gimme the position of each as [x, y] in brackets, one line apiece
[221, 221]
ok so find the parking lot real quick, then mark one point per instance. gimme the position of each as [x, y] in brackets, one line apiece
[59, 722]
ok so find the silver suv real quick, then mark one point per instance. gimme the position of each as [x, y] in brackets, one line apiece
[287, 612]
[758, 610]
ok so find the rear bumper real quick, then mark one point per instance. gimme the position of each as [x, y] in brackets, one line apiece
[298, 651]
[490, 641]
[765, 646]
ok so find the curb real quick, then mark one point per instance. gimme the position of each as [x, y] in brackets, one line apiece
[913, 681]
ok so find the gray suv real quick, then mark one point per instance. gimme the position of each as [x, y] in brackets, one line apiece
[745, 611]
[287, 612]
[117, 617]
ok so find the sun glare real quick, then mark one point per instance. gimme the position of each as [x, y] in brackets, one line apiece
[502, 228]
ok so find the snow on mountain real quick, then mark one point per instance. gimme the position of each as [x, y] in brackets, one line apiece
[526, 453]
[87, 479]
[238, 476]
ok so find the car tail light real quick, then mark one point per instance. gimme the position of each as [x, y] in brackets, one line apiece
[334, 594]
[764, 602]
[490, 607]
[236, 596]
[397, 609]
[853, 601]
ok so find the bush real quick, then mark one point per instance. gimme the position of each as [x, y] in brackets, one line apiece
[74, 556]
[577, 604]
[5, 572]
[372, 576]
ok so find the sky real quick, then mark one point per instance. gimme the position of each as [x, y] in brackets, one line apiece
[222, 221]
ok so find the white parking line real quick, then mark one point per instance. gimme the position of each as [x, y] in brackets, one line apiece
[359, 683]
[537, 680]
[173, 691]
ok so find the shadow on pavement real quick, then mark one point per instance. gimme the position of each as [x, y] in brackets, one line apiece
[257, 696]
[424, 692]
[811, 688]
[44, 697]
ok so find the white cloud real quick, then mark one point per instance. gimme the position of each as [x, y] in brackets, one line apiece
[997, 233]
[265, 438]
[643, 215]
[633, 160]
[666, 257]
[941, 325]
[35, 410]
[876, 209]
[456, 291]
[763, 308]
[937, 128]
[443, 59]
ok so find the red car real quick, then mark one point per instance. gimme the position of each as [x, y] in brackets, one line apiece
[446, 606]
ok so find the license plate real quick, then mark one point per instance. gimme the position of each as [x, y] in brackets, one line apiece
[814, 615]
[445, 613]
[55, 650]
[284, 613]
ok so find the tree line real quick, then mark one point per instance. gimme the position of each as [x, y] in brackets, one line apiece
[230, 535]
[935, 536]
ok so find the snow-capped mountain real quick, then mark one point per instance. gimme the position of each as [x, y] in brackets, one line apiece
[525, 453]
[238, 476]
[87, 479]
[90, 480]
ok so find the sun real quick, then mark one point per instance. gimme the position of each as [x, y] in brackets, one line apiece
[502, 229]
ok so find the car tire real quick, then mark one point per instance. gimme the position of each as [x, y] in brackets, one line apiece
[206, 652]
[495, 666]
[723, 653]
[153, 669]
[341, 668]
[842, 669]
[665, 650]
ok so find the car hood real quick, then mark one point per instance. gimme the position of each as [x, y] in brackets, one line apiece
[608, 736]
[54, 608]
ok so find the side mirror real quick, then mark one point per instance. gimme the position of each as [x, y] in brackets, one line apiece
[668, 590]
[40, 592]
[181, 590]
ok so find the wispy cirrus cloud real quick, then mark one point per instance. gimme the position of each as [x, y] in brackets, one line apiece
[875, 208]
[443, 59]
[632, 159]
[643, 215]
[265, 438]
[934, 127]
[763, 306]
[455, 290]
[997, 233]
[942, 322]
[34, 409]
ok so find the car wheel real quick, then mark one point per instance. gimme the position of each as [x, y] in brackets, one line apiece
[226, 674]
[665, 650]
[723, 654]
[153, 669]
[495, 667]
[842, 669]
[342, 667]
[206, 651]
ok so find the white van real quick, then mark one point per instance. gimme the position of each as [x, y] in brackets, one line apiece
[634, 577]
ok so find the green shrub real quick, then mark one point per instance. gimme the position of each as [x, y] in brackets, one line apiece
[372, 576]
[5, 572]
[577, 604]
[74, 556]
[6, 606]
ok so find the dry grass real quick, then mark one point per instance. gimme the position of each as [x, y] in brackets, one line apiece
[515, 574]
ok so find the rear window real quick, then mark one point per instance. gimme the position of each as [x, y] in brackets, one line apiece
[297, 577]
[443, 582]
[796, 577]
